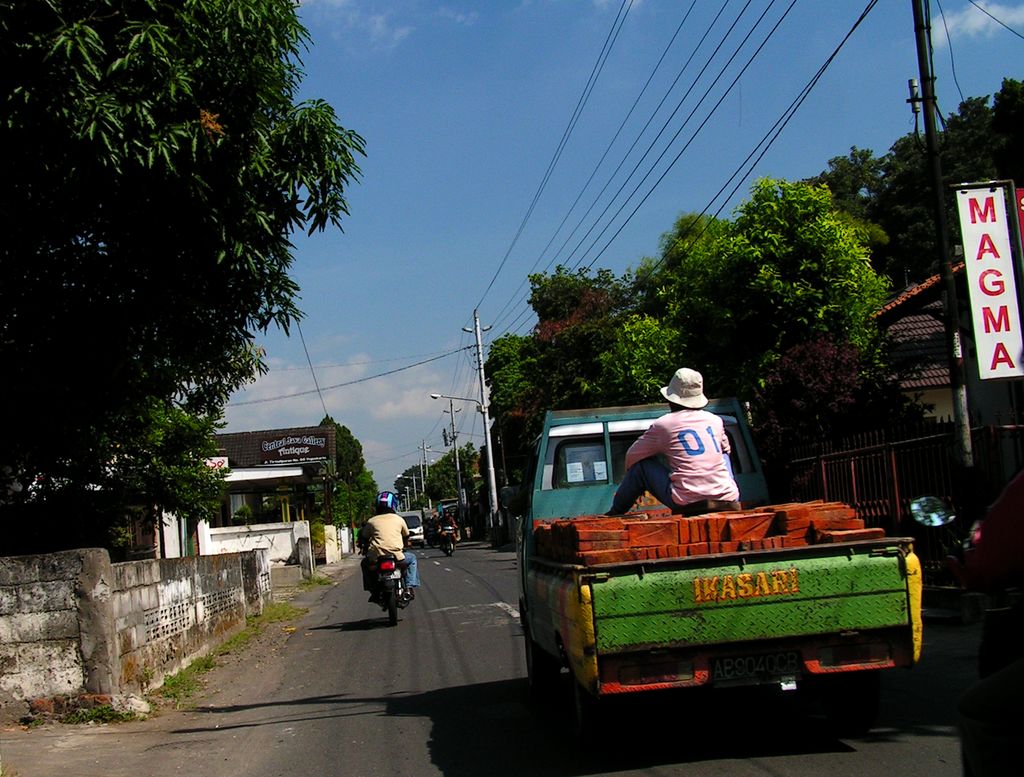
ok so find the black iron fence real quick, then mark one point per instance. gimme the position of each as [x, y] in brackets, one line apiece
[880, 472]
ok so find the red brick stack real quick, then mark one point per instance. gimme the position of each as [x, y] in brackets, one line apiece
[657, 534]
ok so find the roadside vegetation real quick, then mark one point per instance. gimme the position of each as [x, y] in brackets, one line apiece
[105, 713]
[164, 171]
[179, 688]
[314, 582]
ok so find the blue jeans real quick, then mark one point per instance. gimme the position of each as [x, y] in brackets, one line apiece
[647, 475]
[412, 575]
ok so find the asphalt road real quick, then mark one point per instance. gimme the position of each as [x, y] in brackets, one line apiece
[444, 693]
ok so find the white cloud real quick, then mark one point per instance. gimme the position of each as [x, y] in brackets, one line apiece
[459, 17]
[380, 29]
[972, 24]
[383, 31]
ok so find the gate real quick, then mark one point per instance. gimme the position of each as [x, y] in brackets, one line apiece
[879, 473]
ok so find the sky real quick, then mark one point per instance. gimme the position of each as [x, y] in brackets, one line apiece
[509, 136]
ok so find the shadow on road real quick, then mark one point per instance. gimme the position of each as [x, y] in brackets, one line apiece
[365, 624]
[494, 729]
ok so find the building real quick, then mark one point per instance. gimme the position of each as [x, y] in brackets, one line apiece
[274, 474]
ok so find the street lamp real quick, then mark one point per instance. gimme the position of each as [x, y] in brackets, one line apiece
[491, 486]
[455, 446]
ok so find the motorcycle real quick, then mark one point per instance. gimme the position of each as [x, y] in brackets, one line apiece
[430, 534]
[391, 591]
[1003, 617]
[989, 712]
[448, 539]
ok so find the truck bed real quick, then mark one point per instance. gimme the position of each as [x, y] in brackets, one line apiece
[814, 609]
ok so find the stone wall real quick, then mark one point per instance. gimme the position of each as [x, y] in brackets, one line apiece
[286, 543]
[40, 637]
[73, 623]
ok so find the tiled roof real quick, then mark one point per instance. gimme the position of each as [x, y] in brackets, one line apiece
[914, 322]
[914, 295]
[919, 348]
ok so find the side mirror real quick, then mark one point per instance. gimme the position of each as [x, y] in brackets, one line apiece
[931, 511]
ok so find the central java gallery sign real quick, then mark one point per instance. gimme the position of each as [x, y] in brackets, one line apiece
[988, 255]
[291, 448]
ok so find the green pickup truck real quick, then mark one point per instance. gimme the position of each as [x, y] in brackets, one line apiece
[821, 618]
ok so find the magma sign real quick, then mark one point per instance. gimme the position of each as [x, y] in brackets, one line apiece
[990, 281]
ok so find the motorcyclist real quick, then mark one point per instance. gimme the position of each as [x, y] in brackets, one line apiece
[387, 532]
[991, 714]
[449, 522]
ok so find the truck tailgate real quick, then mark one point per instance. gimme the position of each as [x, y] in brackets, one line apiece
[750, 597]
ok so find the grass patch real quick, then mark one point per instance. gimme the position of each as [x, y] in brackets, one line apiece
[105, 713]
[314, 581]
[182, 686]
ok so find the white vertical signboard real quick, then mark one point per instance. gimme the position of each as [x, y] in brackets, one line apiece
[993, 291]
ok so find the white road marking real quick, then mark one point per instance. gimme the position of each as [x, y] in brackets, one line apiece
[508, 609]
[512, 611]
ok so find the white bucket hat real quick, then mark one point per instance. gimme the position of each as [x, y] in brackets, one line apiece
[686, 388]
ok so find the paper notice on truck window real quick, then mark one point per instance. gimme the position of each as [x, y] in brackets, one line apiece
[600, 471]
[574, 471]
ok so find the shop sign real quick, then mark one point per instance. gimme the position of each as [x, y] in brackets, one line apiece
[287, 449]
[995, 310]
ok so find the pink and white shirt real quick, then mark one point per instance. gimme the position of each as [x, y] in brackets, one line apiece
[694, 443]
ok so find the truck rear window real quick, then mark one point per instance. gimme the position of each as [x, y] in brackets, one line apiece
[579, 461]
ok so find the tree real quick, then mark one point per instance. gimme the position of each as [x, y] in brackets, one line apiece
[155, 165]
[556, 366]
[1008, 129]
[411, 479]
[515, 405]
[788, 270]
[442, 481]
[854, 181]
[637, 363]
[904, 207]
[353, 486]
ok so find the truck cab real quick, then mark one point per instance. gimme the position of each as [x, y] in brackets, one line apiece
[580, 458]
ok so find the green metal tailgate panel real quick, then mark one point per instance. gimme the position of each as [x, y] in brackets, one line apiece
[749, 601]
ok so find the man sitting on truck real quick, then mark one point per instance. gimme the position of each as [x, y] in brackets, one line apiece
[694, 443]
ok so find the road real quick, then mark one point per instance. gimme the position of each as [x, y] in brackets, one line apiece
[444, 693]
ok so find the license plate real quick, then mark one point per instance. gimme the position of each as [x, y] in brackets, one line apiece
[767, 667]
[391, 575]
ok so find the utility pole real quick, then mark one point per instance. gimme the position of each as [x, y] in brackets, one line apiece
[424, 466]
[491, 487]
[458, 469]
[958, 383]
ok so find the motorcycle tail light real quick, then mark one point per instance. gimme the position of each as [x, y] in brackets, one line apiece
[976, 534]
[387, 566]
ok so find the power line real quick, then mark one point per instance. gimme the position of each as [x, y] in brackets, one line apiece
[949, 43]
[766, 142]
[595, 72]
[346, 383]
[600, 161]
[693, 136]
[362, 364]
[769, 138]
[311, 370]
[993, 18]
[700, 43]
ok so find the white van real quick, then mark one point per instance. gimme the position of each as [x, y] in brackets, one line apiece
[414, 520]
